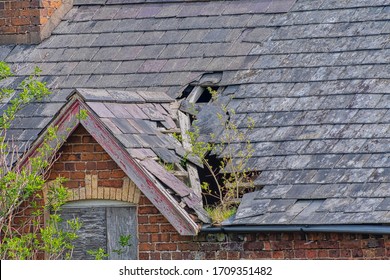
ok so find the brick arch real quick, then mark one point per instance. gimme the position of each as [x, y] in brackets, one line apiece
[90, 172]
[128, 192]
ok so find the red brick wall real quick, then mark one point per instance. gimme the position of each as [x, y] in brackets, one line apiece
[81, 155]
[159, 240]
[22, 20]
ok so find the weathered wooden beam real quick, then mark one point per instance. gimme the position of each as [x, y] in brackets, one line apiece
[195, 94]
[185, 125]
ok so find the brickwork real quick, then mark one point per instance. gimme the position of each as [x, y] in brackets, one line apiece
[90, 171]
[159, 240]
[23, 21]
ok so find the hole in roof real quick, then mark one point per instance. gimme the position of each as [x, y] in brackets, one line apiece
[206, 96]
[160, 125]
[186, 92]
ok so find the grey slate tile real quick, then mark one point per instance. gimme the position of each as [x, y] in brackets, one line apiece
[128, 11]
[380, 175]
[258, 35]
[300, 191]
[360, 189]
[104, 26]
[105, 39]
[85, 67]
[384, 205]
[107, 67]
[129, 141]
[129, 67]
[84, 53]
[348, 145]
[129, 39]
[252, 208]
[124, 125]
[335, 204]
[95, 95]
[106, 13]
[173, 51]
[280, 6]
[376, 146]
[48, 109]
[352, 160]
[326, 191]
[150, 66]
[107, 53]
[280, 205]
[31, 122]
[168, 156]
[356, 176]
[101, 110]
[150, 52]
[378, 160]
[364, 205]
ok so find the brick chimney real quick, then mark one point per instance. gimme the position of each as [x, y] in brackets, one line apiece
[30, 21]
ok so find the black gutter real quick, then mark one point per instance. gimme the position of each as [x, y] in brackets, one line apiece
[363, 229]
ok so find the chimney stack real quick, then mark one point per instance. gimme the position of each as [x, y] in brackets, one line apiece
[30, 21]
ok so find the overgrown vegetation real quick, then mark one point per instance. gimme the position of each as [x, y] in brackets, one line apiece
[24, 233]
[230, 175]
[124, 242]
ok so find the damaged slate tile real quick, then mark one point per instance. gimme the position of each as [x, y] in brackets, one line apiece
[124, 125]
[141, 153]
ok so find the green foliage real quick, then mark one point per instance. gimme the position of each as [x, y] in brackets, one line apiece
[101, 254]
[168, 166]
[98, 254]
[231, 178]
[5, 70]
[220, 213]
[82, 115]
[124, 242]
[25, 234]
[30, 89]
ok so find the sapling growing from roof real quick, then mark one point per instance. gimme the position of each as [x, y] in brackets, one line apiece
[231, 176]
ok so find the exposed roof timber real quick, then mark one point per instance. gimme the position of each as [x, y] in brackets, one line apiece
[193, 175]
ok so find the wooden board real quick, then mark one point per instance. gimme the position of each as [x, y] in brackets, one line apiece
[167, 178]
[92, 234]
[121, 221]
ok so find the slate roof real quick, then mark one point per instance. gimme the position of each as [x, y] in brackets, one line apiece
[313, 74]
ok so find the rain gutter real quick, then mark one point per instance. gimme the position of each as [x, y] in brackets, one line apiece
[363, 229]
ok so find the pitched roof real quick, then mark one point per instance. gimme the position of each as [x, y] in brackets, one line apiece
[313, 75]
[127, 129]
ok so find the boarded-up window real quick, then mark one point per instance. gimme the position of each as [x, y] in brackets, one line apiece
[104, 223]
